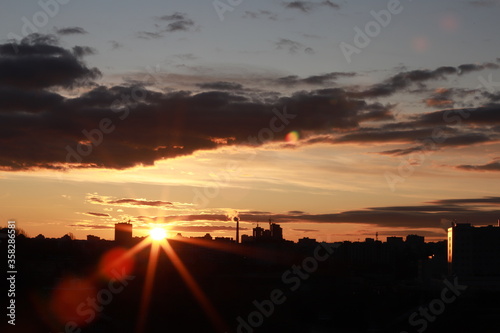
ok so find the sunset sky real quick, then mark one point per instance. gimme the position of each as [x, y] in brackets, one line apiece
[182, 113]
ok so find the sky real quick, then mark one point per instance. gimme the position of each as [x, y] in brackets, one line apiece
[338, 120]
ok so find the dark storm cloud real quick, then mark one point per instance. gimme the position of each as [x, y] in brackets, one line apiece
[42, 129]
[221, 85]
[13, 99]
[71, 31]
[148, 126]
[38, 62]
[492, 166]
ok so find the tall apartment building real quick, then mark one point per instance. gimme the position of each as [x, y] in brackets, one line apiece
[474, 251]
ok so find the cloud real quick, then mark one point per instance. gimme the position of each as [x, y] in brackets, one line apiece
[150, 35]
[204, 228]
[441, 98]
[174, 23]
[82, 51]
[97, 214]
[478, 211]
[320, 80]
[161, 125]
[492, 166]
[261, 14]
[177, 22]
[71, 31]
[402, 152]
[307, 6]
[186, 56]
[134, 202]
[428, 215]
[37, 62]
[45, 129]
[306, 230]
[115, 45]
[91, 226]
[485, 115]
[467, 68]
[221, 85]
[474, 201]
[292, 46]
[404, 80]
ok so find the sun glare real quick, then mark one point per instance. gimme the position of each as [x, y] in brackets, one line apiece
[158, 234]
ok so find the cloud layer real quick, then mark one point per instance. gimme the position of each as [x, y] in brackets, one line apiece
[134, 124]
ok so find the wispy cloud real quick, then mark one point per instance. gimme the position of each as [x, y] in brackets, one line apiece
[97, 214]
[307, 6]
[493, 166]
[71, 31]
[175, 22]
[261, 14]
[292, 46]
[134, 203]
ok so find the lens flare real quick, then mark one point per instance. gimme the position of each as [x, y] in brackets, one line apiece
[293, 136]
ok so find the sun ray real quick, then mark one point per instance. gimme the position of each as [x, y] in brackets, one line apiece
[198, 293]
[127, 255]
[148, 287]
[273, 256]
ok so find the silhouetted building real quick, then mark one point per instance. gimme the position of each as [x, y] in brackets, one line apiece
[474, 251]
[415, 243]
[258, 232]
[306, 241]
[123, 233]
[276, 231]
[92, 238]
[395, 241]
[224, 239]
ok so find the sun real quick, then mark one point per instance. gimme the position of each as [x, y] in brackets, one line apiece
[158, 234]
